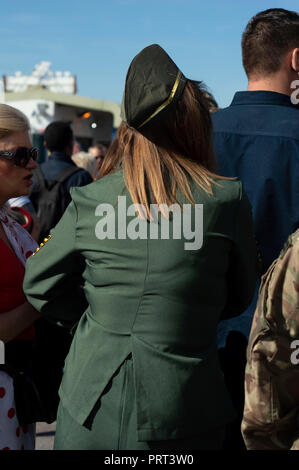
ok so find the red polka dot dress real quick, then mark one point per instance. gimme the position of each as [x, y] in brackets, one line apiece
[12, 435]
[12, 270]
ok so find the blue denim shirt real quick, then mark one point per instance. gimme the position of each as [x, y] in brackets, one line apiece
[257, 139]
[56, 163]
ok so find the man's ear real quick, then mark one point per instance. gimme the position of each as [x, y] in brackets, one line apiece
[295, 60]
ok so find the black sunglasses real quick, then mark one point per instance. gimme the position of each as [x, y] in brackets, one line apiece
[21, 155]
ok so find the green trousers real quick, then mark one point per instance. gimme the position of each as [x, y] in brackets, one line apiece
[114, 424]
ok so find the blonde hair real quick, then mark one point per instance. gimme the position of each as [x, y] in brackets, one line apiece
[86, 161]
[12, 120]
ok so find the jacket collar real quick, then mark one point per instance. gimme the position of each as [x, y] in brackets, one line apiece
[262, 97]
[62, 157]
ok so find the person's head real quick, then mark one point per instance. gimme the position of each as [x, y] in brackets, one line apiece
[59, 137]
[270, 45]
[212, 103]
[166, 141]
[98, 150]
[16, 154]
[77, 147]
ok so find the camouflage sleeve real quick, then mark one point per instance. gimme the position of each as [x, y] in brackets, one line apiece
[271, 412]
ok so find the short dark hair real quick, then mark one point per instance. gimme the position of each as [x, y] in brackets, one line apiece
[58, 135]
[268, 36]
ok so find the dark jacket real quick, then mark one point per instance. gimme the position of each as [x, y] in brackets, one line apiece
[149, 298]
[56, 163]
[257, 139]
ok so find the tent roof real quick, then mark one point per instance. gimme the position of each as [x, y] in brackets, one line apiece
[70, 100]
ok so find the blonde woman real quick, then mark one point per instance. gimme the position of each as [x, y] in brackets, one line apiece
[17, 164]
[143, 372]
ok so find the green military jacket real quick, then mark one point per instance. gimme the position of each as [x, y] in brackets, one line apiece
[150, 298]
[271, 412]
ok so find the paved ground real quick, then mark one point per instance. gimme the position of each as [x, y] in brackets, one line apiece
[45, 436]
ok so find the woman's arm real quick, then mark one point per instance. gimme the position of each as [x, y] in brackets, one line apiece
[53, 274]
[15, 321]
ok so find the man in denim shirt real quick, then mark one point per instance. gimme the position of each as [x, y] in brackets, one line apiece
[257, 140]
[257, 137]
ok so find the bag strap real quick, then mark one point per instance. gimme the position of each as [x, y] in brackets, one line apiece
[40, 177]
[66, 173]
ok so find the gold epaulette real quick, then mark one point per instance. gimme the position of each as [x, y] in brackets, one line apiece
[42, 244]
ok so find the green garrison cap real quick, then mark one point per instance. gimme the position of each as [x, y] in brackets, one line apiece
[153, 82]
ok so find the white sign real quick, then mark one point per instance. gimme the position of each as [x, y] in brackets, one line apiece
[39, 112]
[42, 76]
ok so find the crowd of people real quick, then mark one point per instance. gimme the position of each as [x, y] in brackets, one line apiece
[111, 326]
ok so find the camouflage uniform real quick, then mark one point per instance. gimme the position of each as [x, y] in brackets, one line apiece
[271, 413]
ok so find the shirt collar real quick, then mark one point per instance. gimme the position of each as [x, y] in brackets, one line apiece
[262, 97]
[62, 157]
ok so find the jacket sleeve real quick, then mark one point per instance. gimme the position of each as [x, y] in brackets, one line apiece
[53, 282]
[244, 267]
[271, 412]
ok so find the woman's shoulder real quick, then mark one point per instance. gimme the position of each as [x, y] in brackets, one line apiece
[228, 190]
[223, 191]
[103, 188]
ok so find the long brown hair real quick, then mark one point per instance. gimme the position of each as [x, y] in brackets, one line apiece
[157, 162]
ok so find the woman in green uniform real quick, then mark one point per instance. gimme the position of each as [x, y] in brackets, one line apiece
[169, 250]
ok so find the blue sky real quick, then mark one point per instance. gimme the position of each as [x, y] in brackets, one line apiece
[97, 39]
